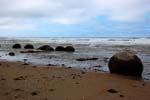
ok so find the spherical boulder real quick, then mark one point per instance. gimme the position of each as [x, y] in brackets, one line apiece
[16, 46]
[59, 48]
[28, 46]
[46, 48]
[70, 49]
[11, 54]
[126, 63]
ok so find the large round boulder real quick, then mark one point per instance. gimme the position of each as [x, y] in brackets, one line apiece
[126, 63]
[59, 48]
[46, 48]
[28, 46]
[16, 46]
[70, 49]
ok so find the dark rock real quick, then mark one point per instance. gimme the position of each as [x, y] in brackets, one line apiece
[83, 72]
[25, 64]
[34, 93]
[46, 48]
[18, 89]
[3, 79]
[121, 96]
[59, 48]
[11, 54]
[126, 63]
[77, 83]
[51, 65]
[28, 46]
[86, 59]
[112, 91]
[69, 67]
[70, 49]
[20, 78]
[52, 90]
[16, 46]
[97, 66]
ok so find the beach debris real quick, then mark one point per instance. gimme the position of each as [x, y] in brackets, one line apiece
[3, 79]
[69, 67]
[69, 49]
[34, 66]
[34, 93]
[18, 89]
[121, 95]
[86, 59]
[77, 83]
[112, 91]
[29, 46]
[97, 66]
[126, 63]
[52, 90]
[7, 93]
[51, 65]
[46, 48]
[63, 65]
[59, 48]
[83, 72]
[76, 75]
[20, 78]
[16, 46]
[73, 77]
[11, 54]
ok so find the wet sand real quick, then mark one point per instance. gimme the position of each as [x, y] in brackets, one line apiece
[19, 81]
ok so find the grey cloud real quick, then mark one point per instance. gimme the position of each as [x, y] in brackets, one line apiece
[75, 11]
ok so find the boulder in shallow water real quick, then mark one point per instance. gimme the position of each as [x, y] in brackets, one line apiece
[16, 46]
[126, 63]
[28, 46]
[59, 48]
[46, 48]
[11, 54]
[70, 49]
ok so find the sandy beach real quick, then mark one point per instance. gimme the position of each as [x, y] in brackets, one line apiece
[19, 81]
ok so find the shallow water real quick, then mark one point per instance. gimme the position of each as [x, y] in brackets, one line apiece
[101, 48]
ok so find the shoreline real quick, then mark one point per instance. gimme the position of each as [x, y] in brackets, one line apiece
[40, 82]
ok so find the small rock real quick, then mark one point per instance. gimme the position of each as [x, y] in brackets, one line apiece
[34, 93]
[121, 95]
[112, 91]
[86, 59]
[11, 54]
[82, 72]
[73, 77]
[52, 90]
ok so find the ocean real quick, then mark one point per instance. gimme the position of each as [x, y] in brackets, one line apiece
[101, 48]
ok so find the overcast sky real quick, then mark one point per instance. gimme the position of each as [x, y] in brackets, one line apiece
[75, 18]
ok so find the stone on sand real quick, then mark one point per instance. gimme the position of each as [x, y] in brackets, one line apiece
[11, 54]
[126, 63]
